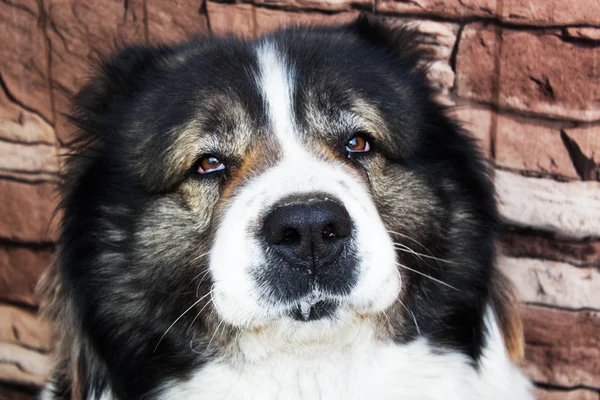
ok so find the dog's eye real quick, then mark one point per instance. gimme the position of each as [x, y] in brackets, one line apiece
[358, 144]
[209, 163]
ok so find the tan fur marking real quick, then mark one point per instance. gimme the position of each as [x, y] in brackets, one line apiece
[254, 160]
[506, 309]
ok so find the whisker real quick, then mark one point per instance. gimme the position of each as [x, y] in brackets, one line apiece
[408, 237]
[105, 241]
[413, 317]
[178, 318]
[213, 336]
[203, 307]
[407, 249]
[411, 239]
[427, 276]
[196, 259]
[200, 282]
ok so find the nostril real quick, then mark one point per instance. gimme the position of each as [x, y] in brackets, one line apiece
[328, 232]
[290, 236]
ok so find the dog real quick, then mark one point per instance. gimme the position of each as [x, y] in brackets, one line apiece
[292, 217]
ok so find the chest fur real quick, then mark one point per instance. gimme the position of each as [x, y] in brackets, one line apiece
[379, 371]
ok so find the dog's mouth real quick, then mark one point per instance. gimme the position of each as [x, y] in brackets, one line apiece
[313, 310]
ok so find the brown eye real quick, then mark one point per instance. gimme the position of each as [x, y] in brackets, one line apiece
[210, 164]
[358, 144]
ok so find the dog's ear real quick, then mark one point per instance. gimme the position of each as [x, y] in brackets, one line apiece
[402, 40]
[115, 80]
[506, 309]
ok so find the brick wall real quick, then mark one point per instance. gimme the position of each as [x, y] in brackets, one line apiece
[524, 75]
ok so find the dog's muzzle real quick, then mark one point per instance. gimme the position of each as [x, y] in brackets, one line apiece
[310, 241]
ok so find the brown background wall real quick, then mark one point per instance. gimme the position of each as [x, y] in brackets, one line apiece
[525, 75]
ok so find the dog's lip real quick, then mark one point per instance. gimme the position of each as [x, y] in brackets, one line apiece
[316, 305]
[306, 312]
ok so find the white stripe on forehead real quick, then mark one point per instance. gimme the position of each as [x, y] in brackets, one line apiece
[276, 82]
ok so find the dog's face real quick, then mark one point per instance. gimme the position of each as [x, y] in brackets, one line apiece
[304, 180]
[297, 233]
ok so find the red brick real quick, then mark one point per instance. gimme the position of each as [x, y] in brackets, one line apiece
[326, 5]
[80, 32]
[562, 347]
[557, 394]
[478, 121]
[571, 209]
[446, 8]
[553, 283]
[28, 158]
[24, 366]
[587, 140]
[531, 145]
[23, 55]
[20, 269]
[551, 12]
[178, 21]
[23, 327]
[585, 33]
[27, 211]
[538, 72]
[18, 124]
[475, 63]
[522, 12]
[249, 21]
[532, 245]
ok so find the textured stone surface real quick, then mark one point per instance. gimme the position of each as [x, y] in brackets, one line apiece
[534, 245]
[531, 145]
[562, 347]
[78, 33]
[521, 12]
[567, 208]
[22, 365]
[27, 211]
[449, 8]
[478, 121]
[11, 392]
[476, 59]
[20, 125]
[577, 394]
[553, 283]
[551, 12]
[536, 72]
[22, 327]
[24, 55]
[583, 146]
[28, 158]
[326, 5]
[24, 346]
[249, 21]
[182, 19]
[442, 37]
[592, 34]
[20, 268]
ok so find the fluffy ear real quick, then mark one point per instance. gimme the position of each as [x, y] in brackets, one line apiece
[116, 78]
[402, 40]
[506, 309]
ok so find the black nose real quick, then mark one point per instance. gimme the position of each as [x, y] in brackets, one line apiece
[309, 233]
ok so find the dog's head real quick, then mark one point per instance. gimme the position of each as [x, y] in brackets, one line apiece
[299, 182]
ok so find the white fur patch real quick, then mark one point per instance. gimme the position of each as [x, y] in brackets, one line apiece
[235, 253]
[276, 81]
[350, 363]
